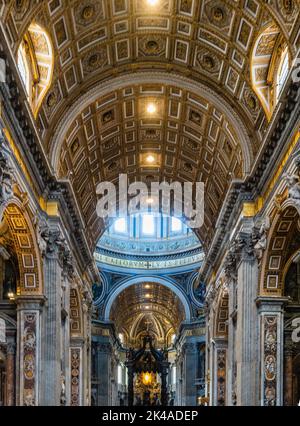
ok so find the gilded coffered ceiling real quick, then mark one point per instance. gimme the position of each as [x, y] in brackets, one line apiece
[147, 306]
[207, 40]
[192, 140]
[191, 59]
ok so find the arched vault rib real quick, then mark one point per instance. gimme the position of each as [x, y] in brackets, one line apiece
[152, 307]
[149, 280]
[148, 78]
[195, 135]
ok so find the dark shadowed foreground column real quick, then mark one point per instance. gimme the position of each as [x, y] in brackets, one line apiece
[10, 374]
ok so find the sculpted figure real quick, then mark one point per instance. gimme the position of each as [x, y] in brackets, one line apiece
[293, 184]
[260, 239]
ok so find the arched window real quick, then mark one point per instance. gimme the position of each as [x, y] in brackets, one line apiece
[176, 225]
[148, 224]
[283, 72]
[23, 68]
[269, 67]
[120, 225]
[35, 63]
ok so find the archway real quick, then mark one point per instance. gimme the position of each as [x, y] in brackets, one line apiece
[115, 115]
[23, 240]
[147, 280]
[21, 284]
[280, 288]
[147, 317]
[149, 261]
[291, 321]
[282, 242]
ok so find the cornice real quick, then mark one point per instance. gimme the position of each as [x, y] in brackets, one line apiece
[30, 145]
[142, 77]
[249, 189]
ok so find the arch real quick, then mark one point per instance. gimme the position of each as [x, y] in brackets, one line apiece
[76, 325]
[148, 279]
[288, 263]
[95, 48]
[29, 260]
[266, 60]
[35, 61]
[86, 153]
[285, 228]
[140, 78]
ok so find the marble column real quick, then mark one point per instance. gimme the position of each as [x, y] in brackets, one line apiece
[10, 373]
[51, 333]
[247, 349]
[189, 397]
[65, 397]
[87, 320]
[231, 358]
[104, 354]
[29, 350]
[220, 373]
[76, 367]
[179, 380]
[271, 313]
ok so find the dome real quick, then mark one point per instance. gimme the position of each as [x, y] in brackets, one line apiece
[149, 241]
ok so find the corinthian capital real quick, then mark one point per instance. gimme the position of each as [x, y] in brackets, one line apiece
[54, 243]
[241, 248]
[230, 265]
[67, 260]
[244, 246]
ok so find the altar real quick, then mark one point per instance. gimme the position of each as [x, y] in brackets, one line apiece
[147, 375]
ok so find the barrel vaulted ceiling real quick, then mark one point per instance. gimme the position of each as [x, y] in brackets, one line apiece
[147, 306]
[191, 58]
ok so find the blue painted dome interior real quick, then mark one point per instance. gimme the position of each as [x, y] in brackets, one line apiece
[148, 234]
